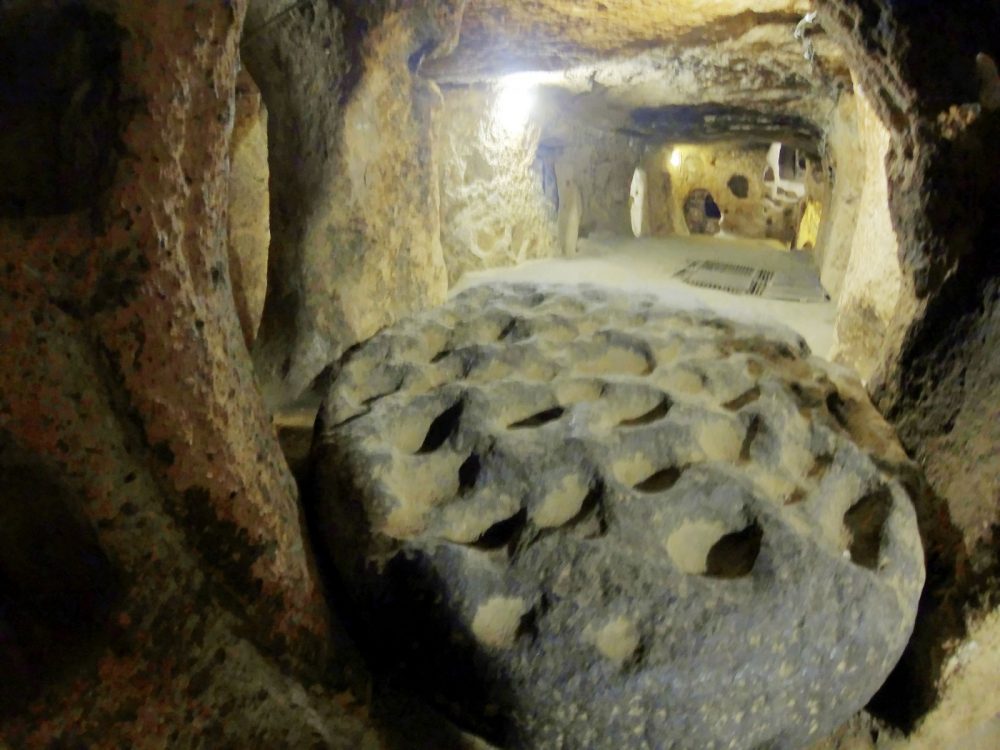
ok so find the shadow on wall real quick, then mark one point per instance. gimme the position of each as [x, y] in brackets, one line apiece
[60, 142]
[57, 587]
[59, 126]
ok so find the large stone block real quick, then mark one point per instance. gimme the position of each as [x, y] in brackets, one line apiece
[582, 519]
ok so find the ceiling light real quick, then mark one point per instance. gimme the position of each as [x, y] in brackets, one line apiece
[514, 104]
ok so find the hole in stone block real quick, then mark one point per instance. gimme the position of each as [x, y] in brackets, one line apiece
[742, 400]
[516, 330]
[353, 418]
[539, 419]
[739, 185]
[865, 522]
[701, 212]
[807, 398]
[615, 353]
[734, 555]
[753, 430]
[468, 474]
[796, 497]
[838, 408]
[503, 534]
[388, 392]
[820, 466]
[655, 414]
[443, 426]
[661, 481]
[591, 522]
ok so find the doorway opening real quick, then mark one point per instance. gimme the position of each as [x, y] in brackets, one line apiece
[701, 213]
[637, 203]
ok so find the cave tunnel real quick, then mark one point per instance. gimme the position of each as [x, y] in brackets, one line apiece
[500, 374]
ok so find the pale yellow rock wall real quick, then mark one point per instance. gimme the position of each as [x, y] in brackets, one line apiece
[846, 156]
[514, 195]
[601, 166]
[570, 210]
[386, 225]
[683, 168]
[249, 207]
[355, 202]
[873, 280]
[494, 208]
[661, 218]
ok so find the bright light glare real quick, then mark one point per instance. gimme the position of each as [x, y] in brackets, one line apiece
[514, 104]
[675, 158]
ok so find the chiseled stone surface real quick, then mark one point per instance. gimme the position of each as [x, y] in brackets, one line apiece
[584, 519]
[249, 212]
[494, 208]
[156, 588]
[355, 209]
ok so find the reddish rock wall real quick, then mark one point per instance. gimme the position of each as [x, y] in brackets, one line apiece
[140, 472]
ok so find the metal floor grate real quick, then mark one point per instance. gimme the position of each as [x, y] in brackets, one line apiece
[726, 277]
[735, 278]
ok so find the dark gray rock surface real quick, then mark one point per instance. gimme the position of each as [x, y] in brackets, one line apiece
[581, 519]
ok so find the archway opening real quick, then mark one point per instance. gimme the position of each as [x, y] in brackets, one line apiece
[701, 212]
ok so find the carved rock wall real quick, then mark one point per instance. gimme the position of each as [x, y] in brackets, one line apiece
[154, 583]
[498, 197]
[734, 176]
[600, 166]
[873, 281]
[249, 206]
[355, 205]
[936, 379]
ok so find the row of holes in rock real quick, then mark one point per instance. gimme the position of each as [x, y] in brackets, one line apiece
[639, 360]
[717, 553]
[447, 422]
[725, 555]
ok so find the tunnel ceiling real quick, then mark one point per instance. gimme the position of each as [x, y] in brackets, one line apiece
[695, 70]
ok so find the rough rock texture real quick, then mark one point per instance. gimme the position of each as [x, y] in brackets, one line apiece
[112, 151]
[498, 198]
[355, 215]
[653, 73]
[512, 194]
[597, 168]
[937, 381]
[742, 58]
[968, 717]
[859, 252]
[563, 29]
[249, 206]
[605, 523]
[154, 585]
[846, 165]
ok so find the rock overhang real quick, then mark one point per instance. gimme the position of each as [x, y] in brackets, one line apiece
[608, 64]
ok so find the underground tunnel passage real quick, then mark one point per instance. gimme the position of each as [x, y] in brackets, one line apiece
[466, 373]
